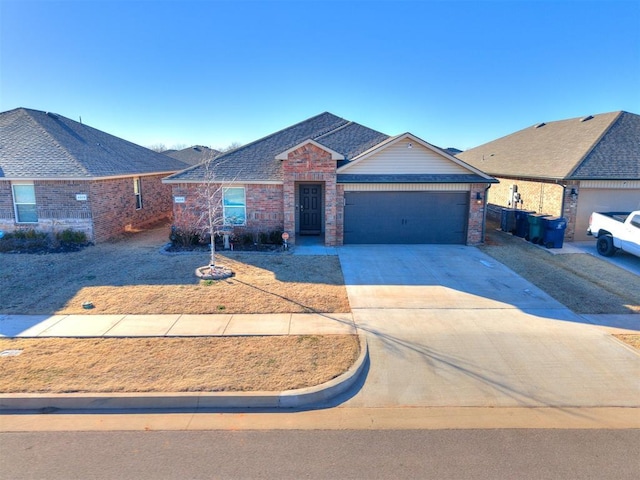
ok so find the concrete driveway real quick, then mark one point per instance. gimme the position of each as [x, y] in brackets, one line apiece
[450, 326]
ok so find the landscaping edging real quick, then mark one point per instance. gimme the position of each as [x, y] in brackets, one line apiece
[302, 397]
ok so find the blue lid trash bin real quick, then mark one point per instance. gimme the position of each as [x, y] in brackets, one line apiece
[508, 220]
[522, 222]
[554, 227]
[536, 229]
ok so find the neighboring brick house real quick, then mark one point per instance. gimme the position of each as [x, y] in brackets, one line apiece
[193, 155]
[567, 168]
[345, 183]
[58, 174]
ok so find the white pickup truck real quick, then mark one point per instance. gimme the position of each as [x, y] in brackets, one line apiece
[616, 230]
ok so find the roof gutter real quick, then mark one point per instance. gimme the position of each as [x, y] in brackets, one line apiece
[84, 179]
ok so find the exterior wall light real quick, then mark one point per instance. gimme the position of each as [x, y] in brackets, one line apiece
[478, 198]
[574, 194]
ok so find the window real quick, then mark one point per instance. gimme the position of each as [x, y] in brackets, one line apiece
[137, 190]
[24, 202]
[234, 206]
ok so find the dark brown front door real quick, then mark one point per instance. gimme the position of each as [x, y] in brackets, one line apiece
[310, 209]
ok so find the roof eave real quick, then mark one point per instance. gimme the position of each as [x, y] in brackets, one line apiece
[84, 179]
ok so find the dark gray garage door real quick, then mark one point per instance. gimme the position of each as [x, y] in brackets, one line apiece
[406, 217]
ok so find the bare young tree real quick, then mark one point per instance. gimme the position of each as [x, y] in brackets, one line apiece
[231, 146]
[210, 195]
[158, 147]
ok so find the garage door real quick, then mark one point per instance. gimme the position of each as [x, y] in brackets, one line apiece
[406, 217]
[602, 200]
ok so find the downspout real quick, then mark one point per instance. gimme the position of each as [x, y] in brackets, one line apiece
[564, 191]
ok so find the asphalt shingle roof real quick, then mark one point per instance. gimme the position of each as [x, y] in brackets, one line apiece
[604, 146]
[193, 155]
[256, 161]
[36, 144]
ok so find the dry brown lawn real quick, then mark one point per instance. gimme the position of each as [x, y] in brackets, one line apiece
[630, 338]
[208, 364]
[132, 277]
[583, 283]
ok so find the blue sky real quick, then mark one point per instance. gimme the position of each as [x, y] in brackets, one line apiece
[454, 73]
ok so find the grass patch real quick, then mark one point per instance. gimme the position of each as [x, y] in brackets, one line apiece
[630, 339]
[131, 276]
[582, 282]
[207, 364]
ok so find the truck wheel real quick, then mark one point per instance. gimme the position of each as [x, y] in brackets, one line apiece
[605, 246]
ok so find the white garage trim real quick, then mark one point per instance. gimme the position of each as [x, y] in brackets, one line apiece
[621, 184]
[407, 187]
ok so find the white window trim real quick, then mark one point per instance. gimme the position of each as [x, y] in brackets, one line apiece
[137, 191]
[15, 203]
[244, 206]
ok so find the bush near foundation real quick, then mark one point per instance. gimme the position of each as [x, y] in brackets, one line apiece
[33, 241]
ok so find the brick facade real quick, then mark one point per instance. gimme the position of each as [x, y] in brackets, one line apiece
[114, 205]
[540, 196]
[311, 164]
[264, 207]
[57, 207]
[109, 209]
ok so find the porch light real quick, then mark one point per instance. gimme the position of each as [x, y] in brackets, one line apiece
[574, 194]
[478, 198]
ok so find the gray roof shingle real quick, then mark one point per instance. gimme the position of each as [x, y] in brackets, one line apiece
[256, 161]
[36, 144]
[604, 146]
[193, 155]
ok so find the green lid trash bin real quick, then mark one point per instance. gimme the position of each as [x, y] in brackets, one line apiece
[522, 222]
[536, 228]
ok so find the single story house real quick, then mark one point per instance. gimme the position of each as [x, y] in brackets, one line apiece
[568, 168]
[58, 174]
[193, 155]
[343, 182]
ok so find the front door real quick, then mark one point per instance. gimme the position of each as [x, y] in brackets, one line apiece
[310, 209]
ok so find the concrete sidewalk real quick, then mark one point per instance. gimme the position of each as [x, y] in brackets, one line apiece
[176, 325]
[77, 326]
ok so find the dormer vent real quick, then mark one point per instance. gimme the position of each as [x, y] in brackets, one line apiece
[540, 125]
[53, 115]
[587, 118]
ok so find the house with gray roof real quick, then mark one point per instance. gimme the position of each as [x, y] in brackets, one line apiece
[193, 155]
[57, 174]
[343, 183]
[567, 168]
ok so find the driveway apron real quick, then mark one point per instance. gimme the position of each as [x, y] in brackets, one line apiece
[449, 326]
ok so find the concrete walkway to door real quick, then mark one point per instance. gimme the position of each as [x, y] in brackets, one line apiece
[450, 326]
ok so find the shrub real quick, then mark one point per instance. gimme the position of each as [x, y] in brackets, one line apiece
[71, 237]
[246, 239]
[275, 237]
[24, 241]
[184, 237]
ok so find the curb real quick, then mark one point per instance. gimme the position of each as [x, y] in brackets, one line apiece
[301, 397]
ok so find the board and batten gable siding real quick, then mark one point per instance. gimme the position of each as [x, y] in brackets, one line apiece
[400, 159]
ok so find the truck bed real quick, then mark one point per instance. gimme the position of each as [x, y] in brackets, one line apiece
[619, 216]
